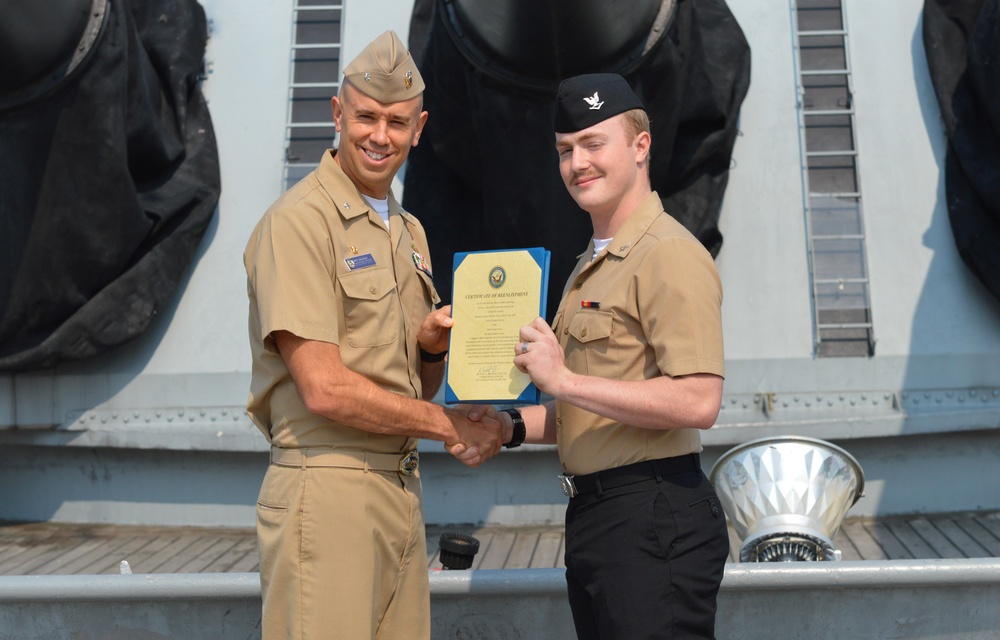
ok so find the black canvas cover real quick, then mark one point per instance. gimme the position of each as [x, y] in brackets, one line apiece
[485, 174]
[107, 186]
[962, 41]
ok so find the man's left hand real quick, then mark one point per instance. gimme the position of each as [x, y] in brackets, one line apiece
[435, 329]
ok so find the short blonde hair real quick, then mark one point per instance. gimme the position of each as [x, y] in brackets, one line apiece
[637, 121]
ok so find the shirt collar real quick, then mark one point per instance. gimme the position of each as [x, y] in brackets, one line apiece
[634, 227]
[350, 203]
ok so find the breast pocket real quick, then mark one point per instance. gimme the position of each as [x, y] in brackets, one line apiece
[592, 344]
[371, 307]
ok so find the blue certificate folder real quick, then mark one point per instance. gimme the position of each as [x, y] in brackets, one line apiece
[494, 294]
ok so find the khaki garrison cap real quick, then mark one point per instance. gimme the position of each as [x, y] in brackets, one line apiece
[385, 71]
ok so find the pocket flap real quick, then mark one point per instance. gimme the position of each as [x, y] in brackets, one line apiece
[368, 284]
[589, 325]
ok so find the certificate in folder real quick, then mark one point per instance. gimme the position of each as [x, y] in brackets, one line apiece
[494, 294]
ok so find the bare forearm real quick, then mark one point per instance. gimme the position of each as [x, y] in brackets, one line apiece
[431, 376]
[330, 389]
[664, 402]
[355, 401]
[540, 423]
[684, 402]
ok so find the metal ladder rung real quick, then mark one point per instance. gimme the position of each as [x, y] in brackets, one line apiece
[841, 281]
[324, 45]
[818, 33]
[320, 7]
[825, 72]
[310, 125]
[844, 236]
[827, 112]
[846, 325]
[830, 154]
[838, 194]
[314, 85]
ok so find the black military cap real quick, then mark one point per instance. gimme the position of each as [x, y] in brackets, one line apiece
[583, 101]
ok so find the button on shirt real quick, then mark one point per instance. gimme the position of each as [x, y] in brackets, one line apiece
[322, 265]
[658, 312]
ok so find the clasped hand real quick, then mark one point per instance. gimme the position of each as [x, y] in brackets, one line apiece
[480, 433]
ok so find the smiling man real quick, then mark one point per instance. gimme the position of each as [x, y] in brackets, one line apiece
[634, 362]
[347, 350]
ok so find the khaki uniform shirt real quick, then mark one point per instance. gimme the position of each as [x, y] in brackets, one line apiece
[659, 313]
[322, 265]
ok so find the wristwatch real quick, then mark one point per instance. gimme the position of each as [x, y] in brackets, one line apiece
[427, 356]
[518, 438]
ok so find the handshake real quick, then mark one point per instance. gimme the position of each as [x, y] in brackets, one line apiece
[481, 431]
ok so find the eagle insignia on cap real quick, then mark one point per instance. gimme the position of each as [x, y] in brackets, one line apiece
[594, 101]
[408, 79]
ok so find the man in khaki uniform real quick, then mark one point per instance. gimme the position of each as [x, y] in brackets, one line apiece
[347, 347]
[634, 361]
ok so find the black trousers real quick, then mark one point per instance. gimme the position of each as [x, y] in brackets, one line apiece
[645, 560]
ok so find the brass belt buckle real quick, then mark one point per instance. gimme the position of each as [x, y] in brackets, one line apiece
[568, 486]
[408, 465]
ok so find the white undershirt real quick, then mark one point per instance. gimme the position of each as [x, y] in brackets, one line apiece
[381, 207]
[599, 245]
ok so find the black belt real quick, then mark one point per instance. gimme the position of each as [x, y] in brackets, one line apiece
[629, 474]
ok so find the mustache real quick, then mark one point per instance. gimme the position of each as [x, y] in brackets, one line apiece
[580, 177]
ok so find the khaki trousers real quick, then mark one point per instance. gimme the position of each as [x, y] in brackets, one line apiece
[343, 553]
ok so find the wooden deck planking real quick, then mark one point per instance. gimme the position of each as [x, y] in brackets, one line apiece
[916, 546]
[497, 550]
[49, 548]
[935, 539]
[162, 559]
[892, 548]
[40, 561]
[521, 551]
[865, 545]
[991, 523]
[242, 553]
[961, 539]
[548, 551]
[842, 543]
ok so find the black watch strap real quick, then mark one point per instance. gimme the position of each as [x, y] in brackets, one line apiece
[427, 356]
[519, 432]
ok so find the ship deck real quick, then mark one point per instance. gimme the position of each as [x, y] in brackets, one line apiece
[45, 548]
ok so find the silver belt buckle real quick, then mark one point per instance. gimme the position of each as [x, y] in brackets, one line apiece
[568, 486]
[408, 465]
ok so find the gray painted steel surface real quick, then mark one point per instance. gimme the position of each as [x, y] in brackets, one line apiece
[938, 329]
[101, 440]
[941, 599]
